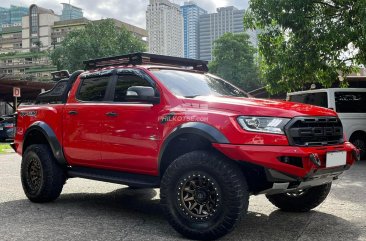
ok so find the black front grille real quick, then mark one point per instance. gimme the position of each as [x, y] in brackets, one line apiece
[314, 131]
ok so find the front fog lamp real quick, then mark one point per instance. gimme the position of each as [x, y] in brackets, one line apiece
[263, 124]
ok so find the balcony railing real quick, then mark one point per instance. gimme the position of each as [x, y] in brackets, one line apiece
[24, 64]
[10, 40]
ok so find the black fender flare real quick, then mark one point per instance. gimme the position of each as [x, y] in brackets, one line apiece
[52, 140]
[202, 129]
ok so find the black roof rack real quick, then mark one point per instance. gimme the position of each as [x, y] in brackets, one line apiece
[145, 58]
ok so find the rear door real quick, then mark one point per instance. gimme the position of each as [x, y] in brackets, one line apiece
[82, 121]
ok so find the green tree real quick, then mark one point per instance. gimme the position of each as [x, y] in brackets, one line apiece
[233, 60]
[304, 42]
[97, 39]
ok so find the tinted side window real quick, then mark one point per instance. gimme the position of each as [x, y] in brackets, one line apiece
[124, 82]
[93, 89]
[319, 99]
[350, 102]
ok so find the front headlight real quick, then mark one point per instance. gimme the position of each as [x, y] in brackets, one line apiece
[273, 125]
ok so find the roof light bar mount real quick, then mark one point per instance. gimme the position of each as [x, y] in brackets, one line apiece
[145, 58]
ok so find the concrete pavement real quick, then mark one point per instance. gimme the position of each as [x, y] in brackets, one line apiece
[90, 210]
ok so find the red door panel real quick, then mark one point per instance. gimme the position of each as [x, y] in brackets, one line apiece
[130, 139]
[82, 135]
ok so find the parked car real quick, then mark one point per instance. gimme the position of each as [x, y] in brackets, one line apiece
[6, 128]
[349, 103]
[4, 117]
[155, 121]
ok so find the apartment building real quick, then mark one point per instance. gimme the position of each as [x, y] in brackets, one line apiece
[61, 29]
[11, 38]
[31, 64]
[214, 25]
[164, 24]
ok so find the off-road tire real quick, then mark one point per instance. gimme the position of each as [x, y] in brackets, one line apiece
[213, 175]
[309, 199]
[42, 177]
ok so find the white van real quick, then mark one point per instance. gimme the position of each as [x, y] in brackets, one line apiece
[349, 103]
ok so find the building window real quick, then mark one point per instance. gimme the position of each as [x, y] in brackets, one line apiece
[34, 19]
[28, 60]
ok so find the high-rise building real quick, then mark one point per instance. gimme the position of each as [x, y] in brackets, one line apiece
[214, 25]
[191, 13]
[37, 28]
[164, 23]
[12, 16]
[71, 12]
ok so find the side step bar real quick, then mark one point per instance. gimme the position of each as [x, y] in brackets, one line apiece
[130, 179]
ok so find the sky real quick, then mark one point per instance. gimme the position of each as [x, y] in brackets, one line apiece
[130, 11]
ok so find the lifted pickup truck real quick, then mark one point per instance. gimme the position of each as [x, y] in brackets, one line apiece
[153, 121]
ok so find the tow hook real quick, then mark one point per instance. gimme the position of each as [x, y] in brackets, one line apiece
[314, 158]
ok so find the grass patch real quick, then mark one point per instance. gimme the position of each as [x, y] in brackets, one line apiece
[5, 148]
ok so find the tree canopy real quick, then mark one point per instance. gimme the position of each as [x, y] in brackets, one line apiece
[233, 60]
[96, 40]
[304, 42]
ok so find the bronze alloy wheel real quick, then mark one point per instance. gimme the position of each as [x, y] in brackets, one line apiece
[34, 174]
[198, 196]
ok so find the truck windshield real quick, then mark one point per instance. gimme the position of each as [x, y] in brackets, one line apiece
[191, 84]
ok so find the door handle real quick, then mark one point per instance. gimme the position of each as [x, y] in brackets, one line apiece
[112, 114]
[73, 112]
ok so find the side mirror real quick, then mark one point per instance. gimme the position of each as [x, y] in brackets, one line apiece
[142, 93]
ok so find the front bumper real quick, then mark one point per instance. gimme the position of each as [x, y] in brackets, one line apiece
[305, 168]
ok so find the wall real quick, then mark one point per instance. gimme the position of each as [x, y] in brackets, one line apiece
[5, 109]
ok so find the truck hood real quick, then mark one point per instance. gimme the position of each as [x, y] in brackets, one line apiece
[259, 107]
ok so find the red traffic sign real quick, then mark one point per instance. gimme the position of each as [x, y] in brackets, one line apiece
[16, 92]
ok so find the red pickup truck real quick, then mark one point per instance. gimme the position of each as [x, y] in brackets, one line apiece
[153, 121]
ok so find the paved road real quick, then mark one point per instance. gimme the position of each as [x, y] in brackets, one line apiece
[89, 210]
